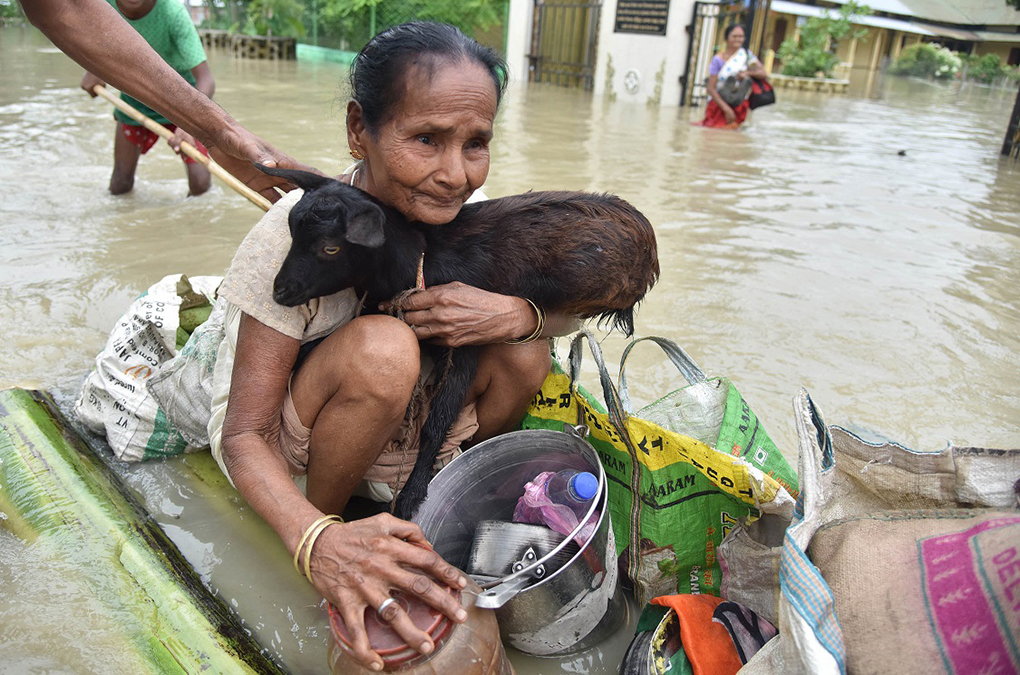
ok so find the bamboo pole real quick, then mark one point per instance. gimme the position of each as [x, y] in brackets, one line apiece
[187, 148]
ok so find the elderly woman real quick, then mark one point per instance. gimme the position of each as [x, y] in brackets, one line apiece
[737, 62]
[320, 390]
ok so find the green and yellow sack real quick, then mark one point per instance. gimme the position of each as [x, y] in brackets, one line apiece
[682, 472]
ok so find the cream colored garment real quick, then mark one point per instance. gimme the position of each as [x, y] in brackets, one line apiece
[248, 288]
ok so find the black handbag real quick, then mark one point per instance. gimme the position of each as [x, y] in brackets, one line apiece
[762, 93]
[733, 90]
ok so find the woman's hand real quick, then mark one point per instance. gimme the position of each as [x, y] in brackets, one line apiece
[731, 116]
[356, 565]
[456, 314]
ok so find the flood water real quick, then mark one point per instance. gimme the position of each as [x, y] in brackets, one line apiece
[805, 250]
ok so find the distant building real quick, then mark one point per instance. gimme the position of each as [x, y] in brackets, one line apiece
[633, 50]
[198, 10]
[970, 26]
[658, 51]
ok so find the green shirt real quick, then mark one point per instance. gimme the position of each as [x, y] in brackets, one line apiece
[169, 31]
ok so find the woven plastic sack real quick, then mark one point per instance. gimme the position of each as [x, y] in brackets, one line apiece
[114, 400]
[672, 494]
[866, 521]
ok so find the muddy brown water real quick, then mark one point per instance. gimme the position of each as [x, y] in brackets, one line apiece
[803, 251]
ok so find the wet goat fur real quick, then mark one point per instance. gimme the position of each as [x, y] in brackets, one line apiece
[585, 254]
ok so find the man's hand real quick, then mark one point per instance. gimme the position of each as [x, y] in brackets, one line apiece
[89, 82]
[237, 150]
[181, 136]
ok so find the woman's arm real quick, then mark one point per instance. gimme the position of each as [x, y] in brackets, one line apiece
[715, 96]
[125, 60]
[353, 564]
[756, 70]
[262, 368]
[456, 314]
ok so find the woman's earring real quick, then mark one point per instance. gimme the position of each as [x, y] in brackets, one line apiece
[357, 155]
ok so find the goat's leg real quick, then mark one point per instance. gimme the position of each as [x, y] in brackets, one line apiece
[443, 410]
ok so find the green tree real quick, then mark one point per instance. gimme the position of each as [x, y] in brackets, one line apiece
[813, 53]
[275, 17]
[10, 10]
[987, 68]
[353, 20]
[927, 60]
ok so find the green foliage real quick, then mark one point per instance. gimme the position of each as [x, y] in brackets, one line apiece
[275, 17]
[352, 19]
[813, 54]
[987, 68]
[926, 59]
[219, 23]
[10, 10]
[1013, 3]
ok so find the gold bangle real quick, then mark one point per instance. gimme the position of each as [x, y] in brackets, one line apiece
[311, 544]
[540, 313]
[308, 532]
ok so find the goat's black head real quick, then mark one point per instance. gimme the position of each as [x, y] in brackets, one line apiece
[331, 226]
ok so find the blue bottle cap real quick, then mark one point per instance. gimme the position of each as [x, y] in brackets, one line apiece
[585, 485]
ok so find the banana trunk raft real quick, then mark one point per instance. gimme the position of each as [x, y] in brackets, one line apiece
[55, 491]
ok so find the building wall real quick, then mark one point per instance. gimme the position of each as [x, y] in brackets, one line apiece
[643, 68]
[1000, 49]
[518, 38]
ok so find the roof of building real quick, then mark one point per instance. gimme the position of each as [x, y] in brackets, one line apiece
[959, 12]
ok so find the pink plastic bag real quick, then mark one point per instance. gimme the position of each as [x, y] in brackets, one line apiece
[535, 507]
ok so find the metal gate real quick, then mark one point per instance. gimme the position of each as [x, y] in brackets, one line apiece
[703, 29]
[706, 29]
[564, 43]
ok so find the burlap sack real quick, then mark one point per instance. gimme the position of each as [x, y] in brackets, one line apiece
[933, 592]
[833, 603]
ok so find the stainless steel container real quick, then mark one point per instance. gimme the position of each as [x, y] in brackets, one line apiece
[574, 605]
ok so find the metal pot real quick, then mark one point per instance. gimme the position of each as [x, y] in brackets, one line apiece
[547, 607]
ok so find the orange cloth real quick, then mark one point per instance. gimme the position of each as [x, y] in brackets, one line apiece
[707, 644]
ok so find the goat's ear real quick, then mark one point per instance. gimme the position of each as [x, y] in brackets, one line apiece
[303, 179]
[365, 228]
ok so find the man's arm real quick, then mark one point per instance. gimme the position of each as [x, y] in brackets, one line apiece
[92, 33]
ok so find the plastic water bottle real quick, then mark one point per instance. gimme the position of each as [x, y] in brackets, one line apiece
[573, 488]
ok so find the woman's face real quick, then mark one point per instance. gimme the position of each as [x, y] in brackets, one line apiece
[736, 39]
[434, 152]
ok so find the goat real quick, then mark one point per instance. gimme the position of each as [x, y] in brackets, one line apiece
[584, 254]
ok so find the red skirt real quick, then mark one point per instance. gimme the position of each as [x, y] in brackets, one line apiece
[714, 116]
[145, 139]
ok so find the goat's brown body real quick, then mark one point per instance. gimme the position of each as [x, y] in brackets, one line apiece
[574, 252]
